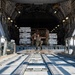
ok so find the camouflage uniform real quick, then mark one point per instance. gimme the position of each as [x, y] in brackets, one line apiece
[38, 42]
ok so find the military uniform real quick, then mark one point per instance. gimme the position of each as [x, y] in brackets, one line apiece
[34, 39]
[38, 42]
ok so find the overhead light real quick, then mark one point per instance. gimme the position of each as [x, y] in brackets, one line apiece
[15, 25]
[19, 12]
[11, 20]
[53, 29]
[63, 20]
[67, 18]
[58, 25]
[55, 12]
[8, 18]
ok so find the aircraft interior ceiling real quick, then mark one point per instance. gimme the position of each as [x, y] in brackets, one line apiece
[55, 15]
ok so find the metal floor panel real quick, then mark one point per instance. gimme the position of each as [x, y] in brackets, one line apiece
[38, 64]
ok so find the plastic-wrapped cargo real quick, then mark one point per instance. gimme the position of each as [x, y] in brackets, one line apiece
[52, 35]
[25, 35]
[52, 38]
[25, 29]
